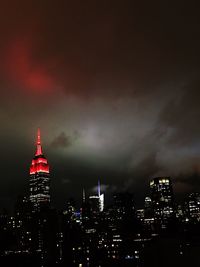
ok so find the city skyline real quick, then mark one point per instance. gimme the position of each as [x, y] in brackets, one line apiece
[37, 166]
[95, 232]
[40, 188]
[114, 88]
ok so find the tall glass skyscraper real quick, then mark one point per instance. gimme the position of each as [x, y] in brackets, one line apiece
[162, 197]
[39, 178]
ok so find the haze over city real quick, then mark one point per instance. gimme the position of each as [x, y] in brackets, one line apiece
[114, 89]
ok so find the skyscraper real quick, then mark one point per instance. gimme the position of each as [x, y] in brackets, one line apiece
[162, 198]
[193, 206]
[124, 205]
[39, 178]
[97, 201]
[101, 197]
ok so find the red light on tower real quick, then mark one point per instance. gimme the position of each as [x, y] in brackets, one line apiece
[39, 177]
[39, 163]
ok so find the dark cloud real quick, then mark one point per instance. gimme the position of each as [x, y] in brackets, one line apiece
[182, 115]
[185, 184]
[62, 141]
[102, 49]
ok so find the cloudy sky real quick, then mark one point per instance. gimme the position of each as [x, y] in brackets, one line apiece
[114, 87]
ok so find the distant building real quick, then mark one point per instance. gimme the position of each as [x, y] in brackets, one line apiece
[39, 179]
[180, 213]
[123, 205]
[96, 202]
[147, 202]
[148, 213]
[193, 206]
[148, 208]
[23, 224]
[140, 214]
[162, 198]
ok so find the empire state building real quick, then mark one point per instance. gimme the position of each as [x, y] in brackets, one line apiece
[39, 178]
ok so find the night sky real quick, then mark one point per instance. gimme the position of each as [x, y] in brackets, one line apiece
[114, 87]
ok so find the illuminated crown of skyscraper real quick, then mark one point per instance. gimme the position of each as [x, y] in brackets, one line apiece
[39, 162]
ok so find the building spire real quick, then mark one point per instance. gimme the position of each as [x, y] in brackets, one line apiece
[83, 195]
[39, 146]
[99, 188]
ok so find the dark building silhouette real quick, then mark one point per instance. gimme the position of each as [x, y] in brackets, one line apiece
[124, 204]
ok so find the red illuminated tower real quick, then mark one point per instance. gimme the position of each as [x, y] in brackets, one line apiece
[39, 178]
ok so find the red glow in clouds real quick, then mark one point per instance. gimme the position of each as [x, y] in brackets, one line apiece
[24, 70]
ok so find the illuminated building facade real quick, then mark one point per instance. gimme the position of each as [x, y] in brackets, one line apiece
[39, 179]
[162, 198]
[101, 198]
[193, 206]
[97, 201]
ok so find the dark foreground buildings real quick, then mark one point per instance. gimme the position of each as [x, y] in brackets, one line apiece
[159, 234]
